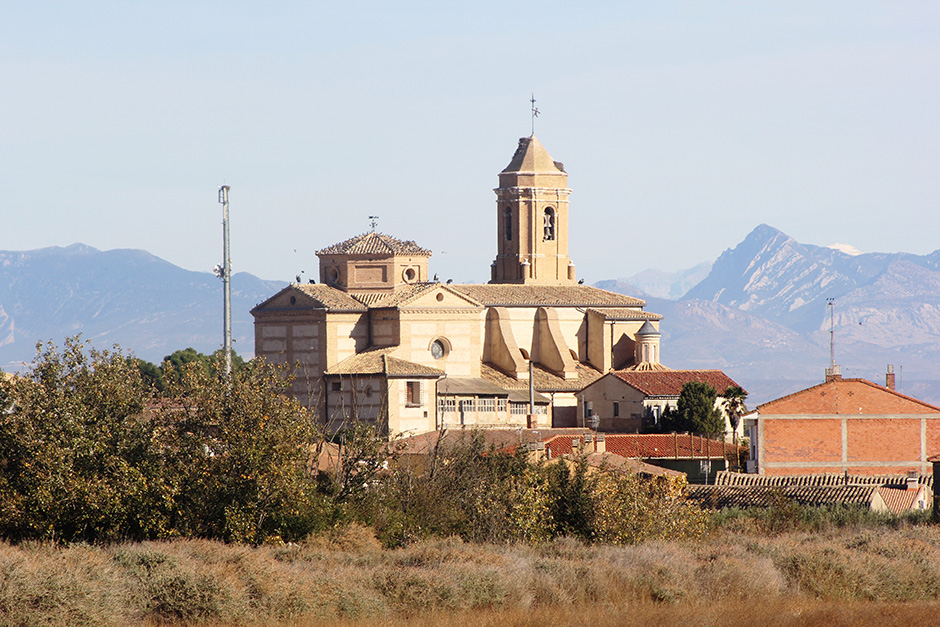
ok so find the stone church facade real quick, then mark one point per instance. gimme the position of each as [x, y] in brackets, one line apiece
[376, 340]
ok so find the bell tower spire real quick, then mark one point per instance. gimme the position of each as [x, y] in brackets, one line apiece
[532, 219]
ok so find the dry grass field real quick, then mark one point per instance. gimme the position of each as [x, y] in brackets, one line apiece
[871, 576]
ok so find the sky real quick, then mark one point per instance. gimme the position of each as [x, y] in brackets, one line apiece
[682, 125]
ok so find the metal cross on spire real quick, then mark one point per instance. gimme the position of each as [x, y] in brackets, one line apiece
[535, 113]
[373, 222]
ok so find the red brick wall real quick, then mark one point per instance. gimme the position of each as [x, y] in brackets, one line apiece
[883, 439]
[811, 440]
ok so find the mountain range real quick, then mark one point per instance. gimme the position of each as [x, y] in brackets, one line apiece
[762, 315]
[759, 312]
[125, 297]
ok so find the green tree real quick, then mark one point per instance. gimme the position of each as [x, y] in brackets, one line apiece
[245, 456]
[78, 451]
[696, 411]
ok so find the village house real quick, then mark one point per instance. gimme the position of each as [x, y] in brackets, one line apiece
[380, 340]
[895, 494]
[849, 426]
[634, 400]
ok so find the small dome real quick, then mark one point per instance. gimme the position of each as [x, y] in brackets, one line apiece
[647, 329]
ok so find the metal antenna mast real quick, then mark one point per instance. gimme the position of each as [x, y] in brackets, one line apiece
[830, 302]
[226, 280]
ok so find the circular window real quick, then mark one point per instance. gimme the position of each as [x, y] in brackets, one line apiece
[440, 297]
[409, 275]
[439, 349]
[293, 300]
[332, 275]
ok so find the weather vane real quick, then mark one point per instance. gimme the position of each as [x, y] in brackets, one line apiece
[373, 222]
[535, 113]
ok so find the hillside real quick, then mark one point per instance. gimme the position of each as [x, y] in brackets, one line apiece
[125, 297]
[761, 315]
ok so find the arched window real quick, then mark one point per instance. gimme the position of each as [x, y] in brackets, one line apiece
[549, 224]
[507, 223]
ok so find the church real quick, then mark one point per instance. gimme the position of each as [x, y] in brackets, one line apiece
[376, 340]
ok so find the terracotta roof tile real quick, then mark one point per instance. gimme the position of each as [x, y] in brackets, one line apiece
[818, 479]
[510, 295]
[543, 380]
[670, 382]
[378, 361]
[650, 446]
[404, 294]
[846, 396]
[899, 501]
[373, 243]
[316, 296]
[619, 313]
[720, 496]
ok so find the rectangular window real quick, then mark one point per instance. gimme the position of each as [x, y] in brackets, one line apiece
[336, 386]
[501, 405]
[445, 405]
[412, 393]
[616, 409]
[467, 405]
[488, 404]
[518, 408]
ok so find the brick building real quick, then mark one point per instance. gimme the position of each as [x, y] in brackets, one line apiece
[843, 426]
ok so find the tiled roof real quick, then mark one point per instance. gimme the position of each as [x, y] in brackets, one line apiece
[720, 496]
[817, 479]
[510, 295]
[531, 156]
[378, 361]
[329, 297]
[651, 446]
[846, 396]
[899, 501]
[373, 243]
[670, 382]
[544, 380]
[504, 439]
[612, 461]
[403, 294]
[316, 296]
[621, 314]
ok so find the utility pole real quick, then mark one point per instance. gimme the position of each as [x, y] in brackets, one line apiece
[226, 280]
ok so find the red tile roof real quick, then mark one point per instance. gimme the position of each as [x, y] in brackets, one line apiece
[721, 496]
[375, 243]
[649, 445]
[670, 382]
[846, 396]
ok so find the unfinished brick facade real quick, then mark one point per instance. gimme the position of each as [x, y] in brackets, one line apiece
[843, 425]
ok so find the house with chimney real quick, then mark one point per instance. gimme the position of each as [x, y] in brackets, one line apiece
[845, 426]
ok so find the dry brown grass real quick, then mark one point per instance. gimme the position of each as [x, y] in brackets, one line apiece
[870, 576]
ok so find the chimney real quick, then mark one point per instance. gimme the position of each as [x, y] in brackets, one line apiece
[889, 377]
[913, 480]
[834, 374]
[600, 443]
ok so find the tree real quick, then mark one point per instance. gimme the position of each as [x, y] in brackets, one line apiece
[696, 411]
[734, 406]
[79, 454]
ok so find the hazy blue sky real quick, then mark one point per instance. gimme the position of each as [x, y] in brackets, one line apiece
[683, 125]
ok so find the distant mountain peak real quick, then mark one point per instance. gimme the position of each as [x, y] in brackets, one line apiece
[848, 249]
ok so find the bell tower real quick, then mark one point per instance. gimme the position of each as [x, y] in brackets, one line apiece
[532, 219]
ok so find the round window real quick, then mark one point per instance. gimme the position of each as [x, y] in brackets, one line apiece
[438, 350]
[293, 300]
[409, 274]
[332, 275]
